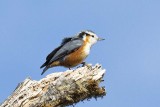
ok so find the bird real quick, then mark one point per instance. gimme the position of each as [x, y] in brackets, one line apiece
[72, 51]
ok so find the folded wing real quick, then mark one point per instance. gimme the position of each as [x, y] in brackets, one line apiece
[68, 46]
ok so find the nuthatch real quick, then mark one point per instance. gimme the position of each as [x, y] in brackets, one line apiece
[72, 51]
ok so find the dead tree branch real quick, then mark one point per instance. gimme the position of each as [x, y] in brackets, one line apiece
[58, 89]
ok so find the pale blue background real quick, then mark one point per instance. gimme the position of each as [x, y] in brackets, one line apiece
[30, 29]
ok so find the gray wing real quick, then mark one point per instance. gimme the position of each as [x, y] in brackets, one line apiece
[65, 40]
[66, 49]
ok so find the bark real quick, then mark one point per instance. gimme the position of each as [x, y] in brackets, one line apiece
[59, 89]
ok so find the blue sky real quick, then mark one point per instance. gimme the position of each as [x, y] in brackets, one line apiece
[30, 29]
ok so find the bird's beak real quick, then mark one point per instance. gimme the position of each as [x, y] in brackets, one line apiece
[99, 39]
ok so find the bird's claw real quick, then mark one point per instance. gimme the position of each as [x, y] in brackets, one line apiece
[84, 64]
[89, 66]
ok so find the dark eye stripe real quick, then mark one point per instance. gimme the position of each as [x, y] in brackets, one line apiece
[81, 34]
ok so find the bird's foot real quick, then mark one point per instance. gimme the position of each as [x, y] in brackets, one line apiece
[84, 64]
[71, 69]
[89, 66]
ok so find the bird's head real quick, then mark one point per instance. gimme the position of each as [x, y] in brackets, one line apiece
[89, 36]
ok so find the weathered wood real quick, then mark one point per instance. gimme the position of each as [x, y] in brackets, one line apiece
[59, 89]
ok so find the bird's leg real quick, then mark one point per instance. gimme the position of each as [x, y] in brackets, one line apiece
[86, 64]
[83, 64]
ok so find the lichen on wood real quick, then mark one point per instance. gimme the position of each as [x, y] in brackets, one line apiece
[59, 89]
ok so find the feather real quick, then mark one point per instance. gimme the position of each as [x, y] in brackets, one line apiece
[65, 40]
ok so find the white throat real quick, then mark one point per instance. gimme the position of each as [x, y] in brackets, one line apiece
[87, 48]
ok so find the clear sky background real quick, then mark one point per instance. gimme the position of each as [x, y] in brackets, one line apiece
[30, 29]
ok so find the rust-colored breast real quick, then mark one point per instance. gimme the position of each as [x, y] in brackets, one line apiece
[76, 57]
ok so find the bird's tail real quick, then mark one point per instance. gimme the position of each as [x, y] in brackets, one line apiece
[44, 70]
[44, 65]
[53, 64]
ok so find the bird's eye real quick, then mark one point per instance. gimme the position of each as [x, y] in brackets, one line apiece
[92, 36]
